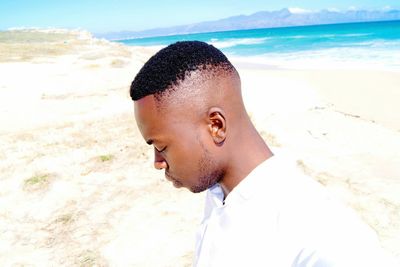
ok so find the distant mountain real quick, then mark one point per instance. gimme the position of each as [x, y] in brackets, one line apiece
[264, 19]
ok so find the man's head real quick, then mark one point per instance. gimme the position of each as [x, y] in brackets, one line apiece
[188, 105]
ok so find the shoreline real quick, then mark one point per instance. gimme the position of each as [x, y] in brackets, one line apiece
[353, 92]
[300, 60]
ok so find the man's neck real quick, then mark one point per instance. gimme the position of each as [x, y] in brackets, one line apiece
[251, 154]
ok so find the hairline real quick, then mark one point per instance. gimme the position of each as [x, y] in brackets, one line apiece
[207, 73]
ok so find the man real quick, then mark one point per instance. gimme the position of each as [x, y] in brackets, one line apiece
[260, 209]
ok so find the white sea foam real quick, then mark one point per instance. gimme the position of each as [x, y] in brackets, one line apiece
[323, 36]
[330, 58]
[356, 34]
[331, 36]
[234, 42]
[294, 37]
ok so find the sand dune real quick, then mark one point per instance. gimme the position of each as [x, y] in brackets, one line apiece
[77, 186]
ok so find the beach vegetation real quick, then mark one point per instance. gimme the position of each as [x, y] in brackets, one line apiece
[37, 182]
[270, 139]
[104, 158]
[90, 258]
[118, 63]
[93, 66]
[92, 56]
[87, 258]
[25, 45]
[65, 218]
[37, 179]
[32, 36]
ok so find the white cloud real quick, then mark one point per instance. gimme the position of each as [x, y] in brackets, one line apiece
[298, 10]
[353, 8]
[387, 8]
[333, 9]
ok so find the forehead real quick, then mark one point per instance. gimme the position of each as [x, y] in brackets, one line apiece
[159, 124]
[148, 118]
[174, 113]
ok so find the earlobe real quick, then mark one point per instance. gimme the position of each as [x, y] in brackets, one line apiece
[217, 125]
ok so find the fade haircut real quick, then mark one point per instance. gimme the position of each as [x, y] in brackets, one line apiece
[168, 67]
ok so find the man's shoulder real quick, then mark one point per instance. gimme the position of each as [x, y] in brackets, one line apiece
[280, 178]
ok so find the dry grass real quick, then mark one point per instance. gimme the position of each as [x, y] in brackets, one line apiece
[26, 45]
[118, 63]
[90, 258]
[26, 52]
[75, 191]
[32, 36]
[270, 139]
[65, 219]
[359, 199]
[93, 66]
[104, 158]
[37, 182]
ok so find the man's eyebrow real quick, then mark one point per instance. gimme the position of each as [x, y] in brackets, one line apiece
[149, 142]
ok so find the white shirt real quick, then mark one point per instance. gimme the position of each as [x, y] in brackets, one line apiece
[277, 216]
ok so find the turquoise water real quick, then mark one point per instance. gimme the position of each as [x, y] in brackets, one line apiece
[377, 43]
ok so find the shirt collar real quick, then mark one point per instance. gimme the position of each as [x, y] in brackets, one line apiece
[248, 187]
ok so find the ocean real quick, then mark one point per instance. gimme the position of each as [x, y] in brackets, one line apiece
[365, 45]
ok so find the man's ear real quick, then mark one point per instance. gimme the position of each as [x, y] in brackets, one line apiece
[217, 125]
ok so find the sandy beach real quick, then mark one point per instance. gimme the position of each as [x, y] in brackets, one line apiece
[77, 183]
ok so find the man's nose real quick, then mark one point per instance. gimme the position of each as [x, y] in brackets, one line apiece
[159, 161]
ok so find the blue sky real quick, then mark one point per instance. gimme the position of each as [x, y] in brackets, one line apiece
[116, 15]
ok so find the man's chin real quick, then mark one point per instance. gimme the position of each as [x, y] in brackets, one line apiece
[197, 189]
[177, 184]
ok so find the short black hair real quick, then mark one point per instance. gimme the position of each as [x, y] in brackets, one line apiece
[172, 63]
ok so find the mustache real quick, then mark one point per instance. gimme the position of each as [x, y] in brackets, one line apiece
[168, 175]
[172, 178]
